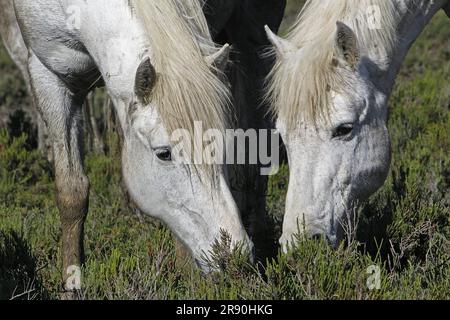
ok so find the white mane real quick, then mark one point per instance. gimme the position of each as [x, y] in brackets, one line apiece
[300, 83]
[187, 89]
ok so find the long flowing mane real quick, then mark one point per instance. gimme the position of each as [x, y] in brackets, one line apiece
[187, 89]
[299, 85]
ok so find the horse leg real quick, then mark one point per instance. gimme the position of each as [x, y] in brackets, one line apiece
[62, 111]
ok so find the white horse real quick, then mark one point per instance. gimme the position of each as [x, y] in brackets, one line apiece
[330, 89]
[159, 65]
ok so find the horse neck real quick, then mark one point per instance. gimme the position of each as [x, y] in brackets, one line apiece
[414, 16]
[106, 34]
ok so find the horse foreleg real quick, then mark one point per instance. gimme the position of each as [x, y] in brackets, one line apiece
[43, 140]
[61, 110]
[97, 139]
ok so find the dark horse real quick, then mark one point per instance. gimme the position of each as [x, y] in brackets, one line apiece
[241, 23]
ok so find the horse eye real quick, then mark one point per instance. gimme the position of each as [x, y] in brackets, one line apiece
[343, 130]
[164, 154]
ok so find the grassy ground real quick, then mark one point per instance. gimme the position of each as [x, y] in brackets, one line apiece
[403, 230]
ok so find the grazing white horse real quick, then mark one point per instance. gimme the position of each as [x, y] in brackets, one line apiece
[330, 88]
[159, 65]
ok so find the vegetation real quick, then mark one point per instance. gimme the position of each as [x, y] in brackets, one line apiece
[403, 230]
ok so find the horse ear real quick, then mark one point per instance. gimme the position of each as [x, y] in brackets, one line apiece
[219, 60]
[282, 46]
[347, 45]
[145, 80]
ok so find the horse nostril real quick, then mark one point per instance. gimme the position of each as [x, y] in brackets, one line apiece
[317, 236]
[321, 236]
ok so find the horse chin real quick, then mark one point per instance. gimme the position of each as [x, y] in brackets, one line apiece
[289, 241]
[331, 233]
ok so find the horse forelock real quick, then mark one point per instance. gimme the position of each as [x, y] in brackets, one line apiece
[300, 84]
[187, 89]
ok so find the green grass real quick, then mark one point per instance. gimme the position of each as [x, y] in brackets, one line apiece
[404, 229]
